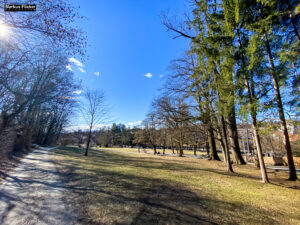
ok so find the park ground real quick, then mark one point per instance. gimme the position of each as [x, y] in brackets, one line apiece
[32, 193]
[122, 186]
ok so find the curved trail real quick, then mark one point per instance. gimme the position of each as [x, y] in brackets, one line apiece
[33, 193]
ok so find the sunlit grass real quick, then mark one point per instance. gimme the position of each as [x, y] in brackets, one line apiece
[123, 187]
[150, 151]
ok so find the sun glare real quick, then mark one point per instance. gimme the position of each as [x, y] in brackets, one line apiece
[4, 30]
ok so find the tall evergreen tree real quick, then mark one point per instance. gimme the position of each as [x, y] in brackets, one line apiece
[264, 22]
[214, 44]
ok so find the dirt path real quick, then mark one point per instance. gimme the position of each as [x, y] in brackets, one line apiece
[33, 193]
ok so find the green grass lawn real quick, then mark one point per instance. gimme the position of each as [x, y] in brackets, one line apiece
[115, 187]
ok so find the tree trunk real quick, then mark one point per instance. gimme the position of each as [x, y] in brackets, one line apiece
[154, 150]
[251, 96]
[294, 23]
[234, 139]
[252, 90]
[180, 145]
[255, 157]
[59, 132]
[212, 143]
[223, 149]
[256, 136]
[27, 138]
[4, 122]
[195, 150]
[221, 140]
[180, 154]
[88, 142]
[227, 154]
[48, 132]
[207, 148]
[259, 153]
[286, 142]
[39, 138]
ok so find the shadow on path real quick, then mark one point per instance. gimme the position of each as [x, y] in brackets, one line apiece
[33, 194]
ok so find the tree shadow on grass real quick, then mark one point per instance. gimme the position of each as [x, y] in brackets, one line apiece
[111, 159]
[109, 197]
[175, 165]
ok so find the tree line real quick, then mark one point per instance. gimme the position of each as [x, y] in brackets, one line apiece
[241, 66]
[117, 135]
[37, 92]
[243, 60]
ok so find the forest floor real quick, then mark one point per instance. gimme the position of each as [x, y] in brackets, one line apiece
[33, 194]
[115, 187]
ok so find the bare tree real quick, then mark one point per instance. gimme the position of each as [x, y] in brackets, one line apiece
[94, 111]
[36, 90]
[174, 113]
[139, 138]
[51, 23]
[151, 131]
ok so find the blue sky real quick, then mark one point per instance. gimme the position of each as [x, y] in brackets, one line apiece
[126, 42]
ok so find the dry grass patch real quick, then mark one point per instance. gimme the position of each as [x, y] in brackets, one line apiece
[150, 151]
[114, 187]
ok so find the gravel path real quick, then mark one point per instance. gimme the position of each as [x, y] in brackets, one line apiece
[33, 193]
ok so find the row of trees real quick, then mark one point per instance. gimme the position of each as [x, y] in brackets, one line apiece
[37, 91]
[178, 136]
[243, 59]
[118, 135]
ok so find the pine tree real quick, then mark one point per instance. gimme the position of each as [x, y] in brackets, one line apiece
[264, 21]
[234, 26]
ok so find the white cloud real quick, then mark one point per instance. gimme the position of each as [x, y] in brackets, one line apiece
[77, 63]
[77, 92]
[97, 73]
[161, 76]
[68, 66]
[82, 70]
[149, 75]
[132, 124]
[86, 127]
[75, 128]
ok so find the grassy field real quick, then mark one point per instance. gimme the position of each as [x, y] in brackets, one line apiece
[115, 187]
[150, 151]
